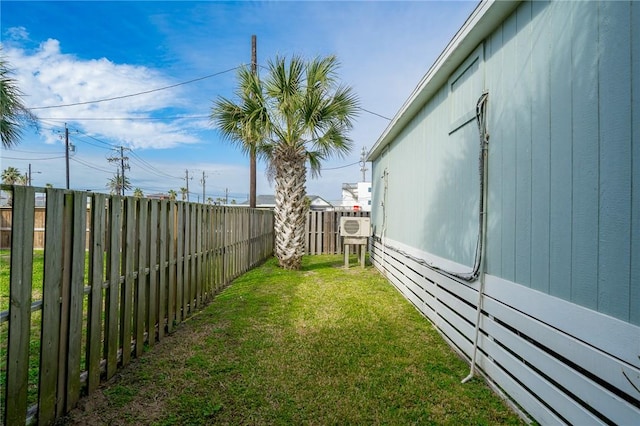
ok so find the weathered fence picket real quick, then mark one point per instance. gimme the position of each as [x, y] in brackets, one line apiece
[51, 287]
[118, 273]
[20, 306]
[321, 231]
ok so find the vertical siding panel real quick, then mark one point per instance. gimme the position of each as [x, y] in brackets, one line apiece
[584, 78]
[508, 141]
[561, 157]
[496, 145]
[523, 146]
[634, 300]
[615, 160]
[540, 147]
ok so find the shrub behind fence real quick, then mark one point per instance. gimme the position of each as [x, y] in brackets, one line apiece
[118, 273]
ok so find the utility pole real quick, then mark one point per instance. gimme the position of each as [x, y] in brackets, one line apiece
[363, 163]
[66, 150]
[226, 196]
[252, 153]
[29, 175]
[186, 178]
[203, 181]
[122, 167]
[123, 162]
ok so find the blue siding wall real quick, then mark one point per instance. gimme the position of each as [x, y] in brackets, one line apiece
[564, 158]
[634, 299]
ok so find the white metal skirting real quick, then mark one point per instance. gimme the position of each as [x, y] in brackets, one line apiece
[558, 361]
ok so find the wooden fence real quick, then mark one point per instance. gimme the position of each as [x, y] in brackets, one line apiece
[321, 230]
[145, 266]
[322, 236]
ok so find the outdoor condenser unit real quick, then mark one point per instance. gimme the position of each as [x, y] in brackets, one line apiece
[355, 226]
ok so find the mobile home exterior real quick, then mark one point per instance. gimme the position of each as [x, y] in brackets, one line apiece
[543, 236]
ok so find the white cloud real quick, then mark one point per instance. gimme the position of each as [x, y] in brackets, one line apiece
[49, 78]
[17, 33]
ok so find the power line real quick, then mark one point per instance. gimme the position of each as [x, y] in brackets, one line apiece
[134, 94]
[33, 152]
[111, 146]
[342, 167]
[177, 117]
[152, 167]
[92, 166]
[93, 144]
[375, 113]
[32, 159]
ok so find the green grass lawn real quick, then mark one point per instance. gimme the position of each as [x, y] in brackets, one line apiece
[34, 340]
[5, 271]
[34, 337]
[324, 345]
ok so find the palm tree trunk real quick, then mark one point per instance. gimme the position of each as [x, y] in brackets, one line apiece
[290, 210]
[252, 179]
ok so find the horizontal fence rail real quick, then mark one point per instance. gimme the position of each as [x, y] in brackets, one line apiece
[115, 274]
[322, 231]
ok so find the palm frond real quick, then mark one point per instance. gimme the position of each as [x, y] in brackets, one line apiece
[14, 115]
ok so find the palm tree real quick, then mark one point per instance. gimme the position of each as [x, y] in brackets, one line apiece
[23, 180]
[172, 195]
[243, 123]
[13, 113]
[117, 186]
[138, 193]
[303, 115]
[183, 193]
[11, 175]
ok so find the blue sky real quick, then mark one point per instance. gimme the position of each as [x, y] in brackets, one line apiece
[82, 51]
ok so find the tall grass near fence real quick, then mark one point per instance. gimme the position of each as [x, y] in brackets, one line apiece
[108, 284]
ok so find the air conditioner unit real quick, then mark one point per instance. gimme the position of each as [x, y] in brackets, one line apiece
[355, 226]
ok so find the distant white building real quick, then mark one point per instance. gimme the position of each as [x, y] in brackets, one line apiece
[356, 196]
